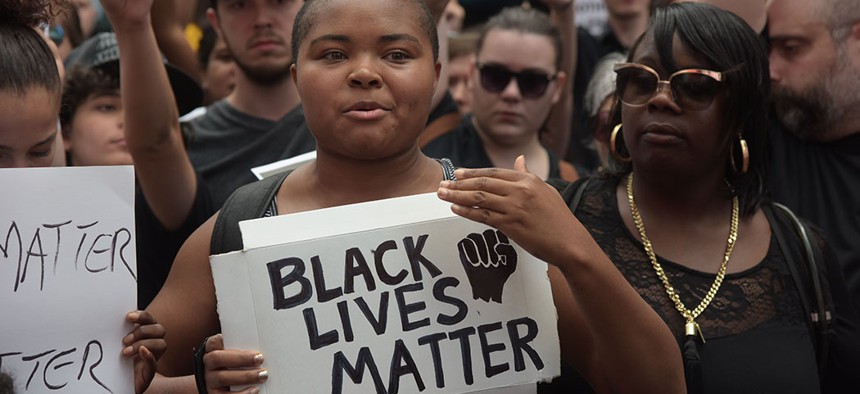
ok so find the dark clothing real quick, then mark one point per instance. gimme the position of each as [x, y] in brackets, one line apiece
[465, 148]
[225, 144]
[757, 338]
[157, 247]
[589, 52]
[821, 182]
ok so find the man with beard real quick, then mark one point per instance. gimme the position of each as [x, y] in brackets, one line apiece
[815, 75]
[261, 120]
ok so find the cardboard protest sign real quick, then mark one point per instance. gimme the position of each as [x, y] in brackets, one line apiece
[67, 278]
[389, 296]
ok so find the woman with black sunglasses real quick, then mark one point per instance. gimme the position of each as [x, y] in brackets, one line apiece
[518, 86]
[684, 216]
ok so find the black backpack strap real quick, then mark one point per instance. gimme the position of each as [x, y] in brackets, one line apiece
[247, 202]
[807, 277]
[572, 194]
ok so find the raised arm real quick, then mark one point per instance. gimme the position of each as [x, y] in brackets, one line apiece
[151, 121]
[557, 133]
[170, 35]
[608, 332]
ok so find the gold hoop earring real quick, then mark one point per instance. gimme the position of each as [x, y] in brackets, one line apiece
[745, 156]
[612, 142]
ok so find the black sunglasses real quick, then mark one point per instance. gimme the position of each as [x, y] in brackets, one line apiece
[532, 84]
[692, 89]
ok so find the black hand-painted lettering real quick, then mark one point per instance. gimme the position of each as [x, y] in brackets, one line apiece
[56, 367]
[340, 364]
[98, 345]
[121, 250]
[345, 321]
[315, 340]
[37, 241]
[433, 341]
[279, 282]
[406, 309]
[5, 250]
[463, 335]
[93, 250]
[401, 355]
[488, 348]
[521, 343]
[384, 276]
[83, 238]
[35, 367]
[356, 265]
[379, 324]
[323, 294]
[439, 293]
[416, 259]
[59, 240]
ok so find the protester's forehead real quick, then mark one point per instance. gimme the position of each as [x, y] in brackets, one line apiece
[395, 16]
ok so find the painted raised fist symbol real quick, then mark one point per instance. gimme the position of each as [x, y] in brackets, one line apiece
[489, 260]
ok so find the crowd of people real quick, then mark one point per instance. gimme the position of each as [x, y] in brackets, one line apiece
[691, 175]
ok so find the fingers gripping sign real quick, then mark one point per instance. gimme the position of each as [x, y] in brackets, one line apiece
[489, 260]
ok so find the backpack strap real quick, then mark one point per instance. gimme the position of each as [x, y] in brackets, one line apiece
[572, 194]
[807, 277]
[247, 202]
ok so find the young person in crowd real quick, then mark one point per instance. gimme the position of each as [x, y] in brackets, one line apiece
[684, 216]
[515, 79]
[260, 121]
[626, 21]
[366, 100]
[815, 72]
[97, 131]
[30, 95]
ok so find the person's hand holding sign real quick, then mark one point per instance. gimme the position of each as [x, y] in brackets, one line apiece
[217, 368]
[489, 259]
[145, 344]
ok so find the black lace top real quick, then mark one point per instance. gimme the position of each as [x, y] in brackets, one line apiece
[756, 338]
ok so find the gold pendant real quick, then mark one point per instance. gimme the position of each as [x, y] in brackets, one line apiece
[692, 328]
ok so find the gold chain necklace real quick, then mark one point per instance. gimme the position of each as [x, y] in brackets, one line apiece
[691, 327]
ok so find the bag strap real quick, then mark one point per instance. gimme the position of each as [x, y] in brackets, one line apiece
[573, 193]
[808, 281]
[247, 202]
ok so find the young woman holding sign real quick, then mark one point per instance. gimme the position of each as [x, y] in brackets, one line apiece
[29, 108]
[366, 76]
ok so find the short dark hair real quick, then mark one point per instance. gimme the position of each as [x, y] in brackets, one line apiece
[27, 61]
[81, 83]
[728, 44]
[308, 16]
[525, 20]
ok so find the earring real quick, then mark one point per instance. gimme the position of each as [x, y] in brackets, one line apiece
[615, 151]
[745, 156]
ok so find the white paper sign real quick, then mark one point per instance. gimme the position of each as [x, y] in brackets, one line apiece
[433, 304]
[267, 170]
[67, 278]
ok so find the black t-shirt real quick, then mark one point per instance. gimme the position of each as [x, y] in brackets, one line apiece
[157, 247]
[463, 146]
[821, 182]
[225, 144]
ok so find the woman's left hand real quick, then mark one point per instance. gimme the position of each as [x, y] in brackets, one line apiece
[517, 202]
[144, 345]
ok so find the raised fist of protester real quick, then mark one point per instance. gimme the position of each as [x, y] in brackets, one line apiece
[144, 345]
[224, 368]
[489, 260]
[127, 13]
[520, 204]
